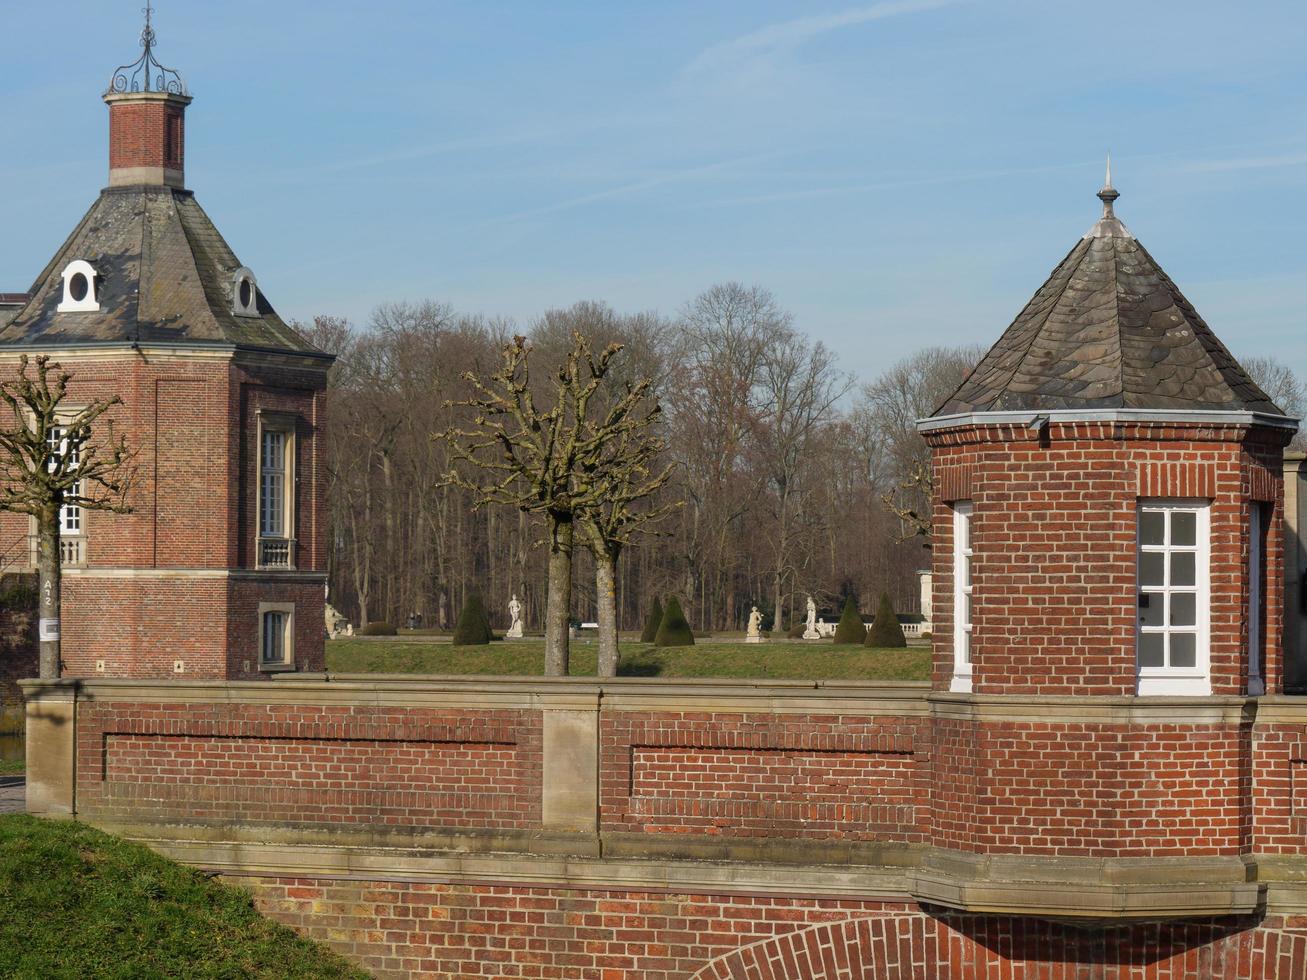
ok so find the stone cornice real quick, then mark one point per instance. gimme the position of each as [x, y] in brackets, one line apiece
[1184, 417]
[1098, 710]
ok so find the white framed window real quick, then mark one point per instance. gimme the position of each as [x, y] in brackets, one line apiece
[276, 636]
[1173, 555]
[962, 606]
[275, 479]
[70, 515]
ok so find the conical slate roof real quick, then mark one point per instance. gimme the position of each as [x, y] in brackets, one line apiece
[165, 276]
[1109, 329]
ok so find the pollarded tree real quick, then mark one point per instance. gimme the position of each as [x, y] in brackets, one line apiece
[553, 461]
[886, 631]
[850, 628]
[617, 477]
[674, 631]
[650, 631]
[48, 461]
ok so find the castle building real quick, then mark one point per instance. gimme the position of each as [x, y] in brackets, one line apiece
[218, 571]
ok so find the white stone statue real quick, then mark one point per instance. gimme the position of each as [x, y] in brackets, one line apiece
[810, 632]
[337, 625]
[515, 614]
[755, 627]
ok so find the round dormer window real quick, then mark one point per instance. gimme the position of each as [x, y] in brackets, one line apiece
[79, 288]
[244, 293]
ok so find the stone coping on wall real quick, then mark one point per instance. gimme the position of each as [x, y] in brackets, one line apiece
[1088, 887]
[883, 883]
[1043, 888]
[477, 691]
[900, 698]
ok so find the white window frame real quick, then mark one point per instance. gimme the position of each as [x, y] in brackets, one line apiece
[266, 545]
[963, 588]
[1167, 680]
[72, 518]
[287, 611]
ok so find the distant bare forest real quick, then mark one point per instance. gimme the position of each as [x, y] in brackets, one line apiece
[783, 463]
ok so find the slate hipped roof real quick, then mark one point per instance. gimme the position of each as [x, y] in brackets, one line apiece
[1109, 329]
[165, 276]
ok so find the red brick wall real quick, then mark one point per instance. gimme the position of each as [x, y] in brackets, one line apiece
[347, 768]
[1054, 548]
[754, 775]
[468, 930]
[140, 625]
[138, 134]
[192, 424]
[1091, 790]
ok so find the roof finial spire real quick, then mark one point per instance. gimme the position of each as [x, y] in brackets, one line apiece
[146, 74]
[1109, 193]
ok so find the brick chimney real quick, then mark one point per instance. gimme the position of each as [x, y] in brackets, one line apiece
[147, 120]
[147, 138]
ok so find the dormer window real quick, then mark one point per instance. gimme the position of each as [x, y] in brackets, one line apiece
[79, 288]
[244, 293]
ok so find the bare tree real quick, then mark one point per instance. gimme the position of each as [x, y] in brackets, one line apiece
[617, 475]
[912, 389]
[529, 457]
[48, 460]
[1284, 387]
[800, 387]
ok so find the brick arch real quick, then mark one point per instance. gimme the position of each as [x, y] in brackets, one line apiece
[887, 947]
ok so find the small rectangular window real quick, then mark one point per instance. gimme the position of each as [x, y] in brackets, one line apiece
[962, 601]
[276, 635]
[1172, 598]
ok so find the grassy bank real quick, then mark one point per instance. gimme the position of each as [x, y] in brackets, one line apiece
[78, 903]
[13, 767]
[780, 659]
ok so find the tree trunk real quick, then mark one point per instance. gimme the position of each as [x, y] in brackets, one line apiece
[558, 607]
[606, 600]
[50, 570]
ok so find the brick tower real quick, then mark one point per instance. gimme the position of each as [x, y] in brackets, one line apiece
[1107, 520]
[218, 572]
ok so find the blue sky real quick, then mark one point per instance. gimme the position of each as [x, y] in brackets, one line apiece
[898, 174]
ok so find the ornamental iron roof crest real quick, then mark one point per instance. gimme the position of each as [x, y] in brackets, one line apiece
[146, 73]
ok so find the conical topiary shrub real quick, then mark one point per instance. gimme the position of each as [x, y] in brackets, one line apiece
[886, 631]
[674, 631]
[650, 631]
[850, 628]
[473, 627]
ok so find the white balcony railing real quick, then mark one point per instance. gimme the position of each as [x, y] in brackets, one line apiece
[72, 550]
[276, 552]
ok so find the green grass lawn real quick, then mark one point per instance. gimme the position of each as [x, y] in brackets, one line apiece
[707, 658]
[13, 767]
[75, 902]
